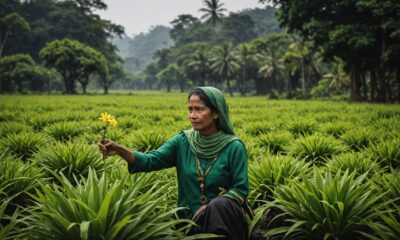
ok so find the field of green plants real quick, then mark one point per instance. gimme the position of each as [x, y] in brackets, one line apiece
[317, 169]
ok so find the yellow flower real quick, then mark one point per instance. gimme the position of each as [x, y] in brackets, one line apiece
[112, 122]
[109, 119]
[105, 117]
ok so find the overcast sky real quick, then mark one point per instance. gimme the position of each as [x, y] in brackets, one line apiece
[139, 15]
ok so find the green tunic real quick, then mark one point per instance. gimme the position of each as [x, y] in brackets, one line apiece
[229, 172]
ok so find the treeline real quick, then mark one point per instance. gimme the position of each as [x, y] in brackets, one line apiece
[48, 45]
[232, 51]
[328, 48]
[365, 35]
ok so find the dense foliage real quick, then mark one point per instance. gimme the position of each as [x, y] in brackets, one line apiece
[317, 169]
[364, 34]
[322, 49]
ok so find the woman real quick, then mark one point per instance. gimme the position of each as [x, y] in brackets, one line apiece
[211, 165]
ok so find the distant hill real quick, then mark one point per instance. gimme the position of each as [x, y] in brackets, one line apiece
[138, 50]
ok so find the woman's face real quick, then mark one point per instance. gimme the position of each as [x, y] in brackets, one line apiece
[203, 119]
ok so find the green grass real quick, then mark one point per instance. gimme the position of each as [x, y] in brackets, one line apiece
[58, 134]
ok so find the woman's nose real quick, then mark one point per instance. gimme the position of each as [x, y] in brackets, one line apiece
[192, 115]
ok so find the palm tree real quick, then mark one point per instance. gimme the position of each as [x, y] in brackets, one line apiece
[301, 58]
[225, 63]
[245, 60]
[337, 78]
[213, 12]
[272, 67]
[200, 64]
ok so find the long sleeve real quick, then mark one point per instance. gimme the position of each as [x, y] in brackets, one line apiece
[239, 172]
[163, 157]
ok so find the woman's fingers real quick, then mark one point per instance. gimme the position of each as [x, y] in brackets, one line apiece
[102, 148]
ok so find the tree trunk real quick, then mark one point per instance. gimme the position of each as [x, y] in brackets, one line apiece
[303, 79]
[364, 86]
[289, 86]
[398, 84]
[382, 88]
[228, 83]
[373, 85]
[355, 84]
[19, 83]
[3, 43]
[241, 81]
[202, 78]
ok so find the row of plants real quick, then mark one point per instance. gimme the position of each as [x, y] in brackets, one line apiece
[317, 170]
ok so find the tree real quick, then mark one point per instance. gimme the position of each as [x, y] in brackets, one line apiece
[225, 63]
[238, 28]
[151, 74]
[15, 70]
[300, 58]
[12, 23]
[200, 64]
[74, 61]
[272, 67]
[181, 27]
[53, 20]
[164, 57]
[116, 72]
[364, 34]
[213, 12]
[171, 75]
[246, 60]
[276, 42]
[337, 78]
[92, 62]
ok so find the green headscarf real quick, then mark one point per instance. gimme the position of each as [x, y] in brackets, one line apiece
[210, 146]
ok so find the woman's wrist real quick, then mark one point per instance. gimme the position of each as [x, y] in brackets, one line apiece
[126, 154]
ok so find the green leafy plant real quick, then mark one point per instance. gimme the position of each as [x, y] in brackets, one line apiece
[316, 148]
[269, 173]
[129, 124]
[145, 141]
[274, 142]
[389, 228]
[353, 162]
[386, 153]
[255, 152]
[7, 128]
[23, 145]
[258, 128]
[38, 122]
[358, 139]
[302, 127]
[390, 183]
[72, 159]
[64, 131]
[336, 129]
[97, 209]
[17, 179]
[10, 225]
[327, 207]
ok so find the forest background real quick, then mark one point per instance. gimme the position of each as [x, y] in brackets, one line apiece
[284, 49]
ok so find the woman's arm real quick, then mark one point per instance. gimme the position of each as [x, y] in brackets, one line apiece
[110, 148]
[163, 157]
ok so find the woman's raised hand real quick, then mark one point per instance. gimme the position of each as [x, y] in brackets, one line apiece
[108, 147]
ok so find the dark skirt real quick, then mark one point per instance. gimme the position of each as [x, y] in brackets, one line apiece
[222, 216]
